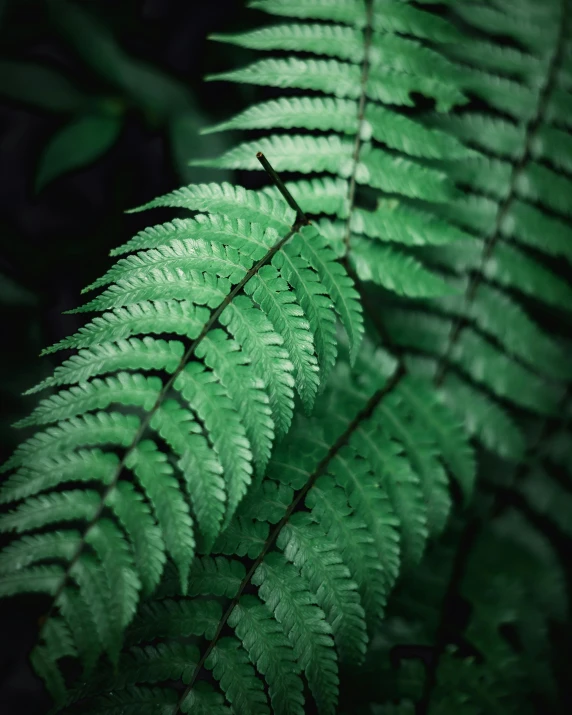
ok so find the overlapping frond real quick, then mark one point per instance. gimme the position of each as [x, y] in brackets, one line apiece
[304, 570]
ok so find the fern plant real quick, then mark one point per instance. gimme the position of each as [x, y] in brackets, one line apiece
[194, 566]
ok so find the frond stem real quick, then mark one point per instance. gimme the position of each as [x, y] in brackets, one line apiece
[361, 118]
[301, 217]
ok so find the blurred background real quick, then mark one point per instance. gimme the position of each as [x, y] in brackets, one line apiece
[101, 104]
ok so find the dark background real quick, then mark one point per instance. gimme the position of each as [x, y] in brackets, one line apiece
[55, 238]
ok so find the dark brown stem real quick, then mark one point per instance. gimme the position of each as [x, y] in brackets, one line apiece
[301, 218]
[361, 118]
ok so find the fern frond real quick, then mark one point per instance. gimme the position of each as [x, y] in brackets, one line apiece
[136, 517]
[323, 538]
[168, 618]
[305, 625]
[146, 354]
[228, 200]
[395, 271]
[388, 17]
[217, 412]
[515, 587]
[46, 472]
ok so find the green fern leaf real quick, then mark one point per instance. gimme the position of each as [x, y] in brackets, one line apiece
[395, 271]
[117, 561]
[511, 269]
[201, 469]
[493, 134]
[44, 579]
[94, 590]
[230, 666]
[288, 153]
[269, 358]
[312, 296]
[188, 255]
[325, 113]
[403, 224]
[330, 509]
[402, 485]
[58, 644]
[269, 648]
[156, 477]
[154, 664]
[319, 195]
[389, 17]
[76, 612]
[447, 432]
[304, 624]
[268, 503]
[145, 354]
[135, 516]
[202, 700]
[243, 538]
[218, 576]
[500, 316]
[528, 225]
[242, 235]
[199, 388]
[125, 388]
[305, 546]
[169, 618]
[145, 317]
[46, 472]
[483, 418]
[422, 455]
[412, 138]
[232, 201]
[252, 403]
[343, 80]
[271, 292]
[252, 289]
[371, 505]
[100, 428]
[160, 284]
[37, 547]
[49, 508]
[313, 248]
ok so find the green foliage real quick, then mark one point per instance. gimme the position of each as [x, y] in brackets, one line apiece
[92, 123]
[265, 432]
